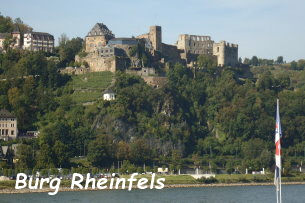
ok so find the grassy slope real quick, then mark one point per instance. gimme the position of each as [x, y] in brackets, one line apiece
[89, 87]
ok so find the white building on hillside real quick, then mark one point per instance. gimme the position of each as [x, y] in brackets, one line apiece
[109, 95]
[38, 41]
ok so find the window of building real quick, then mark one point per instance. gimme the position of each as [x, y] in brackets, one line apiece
[12, 132]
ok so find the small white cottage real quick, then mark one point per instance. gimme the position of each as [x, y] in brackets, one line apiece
[109, 95]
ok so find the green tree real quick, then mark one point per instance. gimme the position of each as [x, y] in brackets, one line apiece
[122, 151]
[140, 152]
[101, 151]
[280, 60]
[206, 61]
[6, 24]
[61, 153]
[25, 156]
[45, 157]
[294, 65]
[254, 61]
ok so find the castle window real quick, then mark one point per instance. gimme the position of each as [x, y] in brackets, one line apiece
[12, 132]
[217, 49]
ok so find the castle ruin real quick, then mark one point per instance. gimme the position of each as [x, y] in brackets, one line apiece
[104, 52]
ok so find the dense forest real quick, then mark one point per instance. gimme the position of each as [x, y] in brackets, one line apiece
[209, 117]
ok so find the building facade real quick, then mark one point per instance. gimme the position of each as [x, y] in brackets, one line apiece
[108, 95]
[38, 41]
[8, 125]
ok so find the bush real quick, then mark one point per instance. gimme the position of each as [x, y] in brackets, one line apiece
[207, 180]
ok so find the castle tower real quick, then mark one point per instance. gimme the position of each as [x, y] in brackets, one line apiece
[98, 37]
[227, 54]
[17, 37]
[155, 36]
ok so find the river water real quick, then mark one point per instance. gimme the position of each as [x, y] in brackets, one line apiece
[236, 194]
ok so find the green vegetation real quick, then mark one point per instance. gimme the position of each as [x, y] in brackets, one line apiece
[89, 87]
[99, 80]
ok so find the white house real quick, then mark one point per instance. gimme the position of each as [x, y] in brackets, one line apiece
[109, 95]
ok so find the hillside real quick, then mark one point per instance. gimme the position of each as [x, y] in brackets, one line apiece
[89, 87]
[297, 77]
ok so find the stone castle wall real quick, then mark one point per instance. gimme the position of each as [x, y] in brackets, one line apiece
[95, 42]
[154, 36]
[227, 54]
[195, 44]
[98, 64]
[171, 53]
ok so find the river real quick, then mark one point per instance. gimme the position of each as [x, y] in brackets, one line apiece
[238, 194]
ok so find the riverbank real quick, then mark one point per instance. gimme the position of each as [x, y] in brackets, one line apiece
[67, 189]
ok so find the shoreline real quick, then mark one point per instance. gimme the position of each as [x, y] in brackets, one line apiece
[67, 189]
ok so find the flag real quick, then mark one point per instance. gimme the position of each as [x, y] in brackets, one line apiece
[278, 150]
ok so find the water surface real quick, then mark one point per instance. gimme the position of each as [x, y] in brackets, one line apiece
[238, 194]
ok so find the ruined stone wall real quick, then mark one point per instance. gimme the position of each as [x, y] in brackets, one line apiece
[98, 64]
[74, 70]
[154, 36]
[143, 36]
[195, 44]
[155, 82]
[171, 53]
[227, 54]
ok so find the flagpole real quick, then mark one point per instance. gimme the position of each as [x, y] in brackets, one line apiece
[280, 169]
[278, 161]
[277, 194]
[280, 186]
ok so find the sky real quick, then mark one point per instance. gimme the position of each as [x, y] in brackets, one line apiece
[264, 28]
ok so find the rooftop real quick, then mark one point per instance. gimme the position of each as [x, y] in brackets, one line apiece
[100, 29]
[108, 91]
[6, 114]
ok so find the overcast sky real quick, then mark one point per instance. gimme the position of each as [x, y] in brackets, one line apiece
[265, 28]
